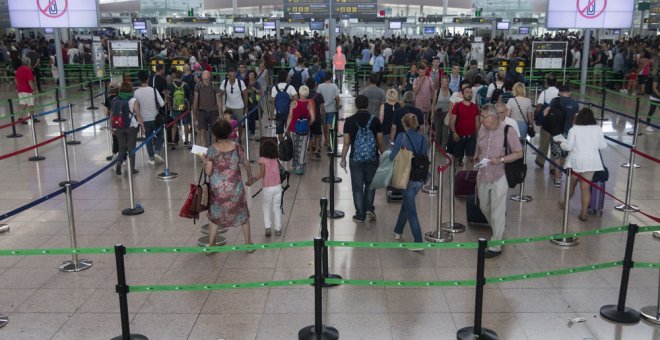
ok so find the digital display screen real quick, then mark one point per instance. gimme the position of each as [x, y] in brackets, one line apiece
[316, 25]
[590, 14]
[49, 30]
[239, 29]
[503, 25]
[53, 13]
[616, 32]
[429, 30]
[523, 30]
[139, 25]
[269, 25]
[395, 25]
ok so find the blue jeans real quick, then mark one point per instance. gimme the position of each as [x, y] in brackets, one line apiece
[408, 211]
[362, 173]
[150, 127]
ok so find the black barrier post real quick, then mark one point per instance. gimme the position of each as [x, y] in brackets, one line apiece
[80, 79]
[318, 331]
[122, 291]
[324, 237]
[13, 134]
[59, 118]
[619, 313]
[478, 332]
[91, 97]
[333, 214]
[602, 101]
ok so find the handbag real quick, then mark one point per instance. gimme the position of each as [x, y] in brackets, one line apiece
[515, 171]
[383, 175]
[530, 127]
[402, 166]
[197, 200]
[601, 175]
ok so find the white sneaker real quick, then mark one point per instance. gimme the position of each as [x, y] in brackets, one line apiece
[151, 161]
[397, 237]
[158, 159]
[649, 129]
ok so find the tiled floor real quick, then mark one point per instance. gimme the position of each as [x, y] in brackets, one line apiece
[43, 303]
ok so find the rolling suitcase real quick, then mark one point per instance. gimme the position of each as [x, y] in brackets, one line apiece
[597, 200]
[473, 212]
[465, 183]
[394, 194]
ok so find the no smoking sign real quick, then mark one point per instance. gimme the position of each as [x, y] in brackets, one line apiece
[53, 8]
[591, 9]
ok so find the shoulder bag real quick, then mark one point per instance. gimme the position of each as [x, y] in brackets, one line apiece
[515, 171]
[530, 127]
[402, 167]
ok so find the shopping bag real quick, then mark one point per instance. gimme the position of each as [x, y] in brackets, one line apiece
[197, 200]
[401, 171]
[383, 175]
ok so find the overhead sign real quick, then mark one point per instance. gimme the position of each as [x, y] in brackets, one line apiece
[53, 13]
[295, 10]
[189, 20]
[590, 13]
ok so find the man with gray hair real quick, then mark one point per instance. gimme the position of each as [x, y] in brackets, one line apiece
[492, 185]
[206, 103]
[25, 87]
[408, 107]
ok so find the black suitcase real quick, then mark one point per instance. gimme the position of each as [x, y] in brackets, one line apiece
[473, 212]
[394, 194]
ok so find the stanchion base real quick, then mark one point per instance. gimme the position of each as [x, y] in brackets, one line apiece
[648, 313]
[132, 337]
[627, 165]
[73, 142]
[15, 135]
[430, 189]
[656, 235]
[627, 316]
[204, 240]
[63, 183]
[626, 208]
[132, 211]
[335, 214]
[36, 158]
[70, 266]
[59, 120]
[167, 175]
[329, 276]
[632, 133]
[92, 108]
[454, 229]
[467, 333]
[523, 198]
[3, 320]
[327, 333]
[328, 179]
[205, 229]
[438, 237]
[4, 228]
[565, 242]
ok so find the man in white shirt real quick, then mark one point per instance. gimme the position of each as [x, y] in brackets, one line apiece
[550, 93]
[150, 101]
[576, 57]
[498, 84]
[233, 94]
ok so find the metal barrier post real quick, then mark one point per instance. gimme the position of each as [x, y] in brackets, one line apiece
[122, 290]
[13, 134]
[355, 76]
[566, 241]
[59, 118]
[192, 131]
[635, 133]
[36, 156]
[602, 101]
[627, 207]
[652, 313]
[80, 79]
[452, 226]
[133, 210]
[91, 97]
[476, 331]
[439, 235]
[247, 139]
[166, 174]
[324, 237]
[4, 320]
[334, 153]
[108, 139]
[67, 168]
[619, 313]
[73, 140]
[521, 197]
[74, 265]
[318, 331]
[431, 188]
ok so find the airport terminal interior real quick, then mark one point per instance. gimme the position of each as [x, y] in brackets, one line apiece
[92, 249]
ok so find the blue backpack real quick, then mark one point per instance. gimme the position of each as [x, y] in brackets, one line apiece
[364, 147]
[282, 101]
[319, 77]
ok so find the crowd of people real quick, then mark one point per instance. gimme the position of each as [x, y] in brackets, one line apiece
[444, 98]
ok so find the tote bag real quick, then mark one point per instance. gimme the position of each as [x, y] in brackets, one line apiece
[402, 166]
[383, 175]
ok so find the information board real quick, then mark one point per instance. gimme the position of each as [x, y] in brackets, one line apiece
[590, 13]
[320, 9]
[53, 13]
[125, 53]
[549, 55]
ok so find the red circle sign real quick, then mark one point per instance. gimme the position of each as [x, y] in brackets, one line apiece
[583, 11]
[46, 10]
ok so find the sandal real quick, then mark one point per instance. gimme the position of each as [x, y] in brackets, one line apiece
[251, 250]
[583, 219]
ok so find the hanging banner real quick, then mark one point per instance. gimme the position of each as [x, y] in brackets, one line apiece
[53, 13]
[590, 13]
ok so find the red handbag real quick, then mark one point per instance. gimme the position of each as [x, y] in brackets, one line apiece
[197, 200]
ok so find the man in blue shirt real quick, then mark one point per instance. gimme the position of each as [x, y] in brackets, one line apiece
[378, 66]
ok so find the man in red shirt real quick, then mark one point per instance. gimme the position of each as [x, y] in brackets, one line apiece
[25, 87]
[464, 124]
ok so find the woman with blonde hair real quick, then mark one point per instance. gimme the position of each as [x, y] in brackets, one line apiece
[520, 108]
[387, 113]
[301, 117]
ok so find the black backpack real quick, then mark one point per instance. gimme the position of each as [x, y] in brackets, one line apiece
[296, 79]
[497, 93]
[553, 123]
[286, 148]
[419, 170]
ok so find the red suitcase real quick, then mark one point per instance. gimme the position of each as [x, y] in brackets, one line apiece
[465, 183]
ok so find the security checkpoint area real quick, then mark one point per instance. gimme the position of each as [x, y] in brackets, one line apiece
[329, 169]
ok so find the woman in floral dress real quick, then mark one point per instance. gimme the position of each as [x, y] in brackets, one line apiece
[227, 200]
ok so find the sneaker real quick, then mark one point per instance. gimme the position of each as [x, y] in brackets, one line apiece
[118, 170]
[357, 220]
[173, 147]
[158, 159]
[186, 144]
[556, 182]
[492, 253]
[649, 129]
[134, 171]
[398, 237]
[268, 232]
[371, 215]
[416, 249]
[36, 120]
[278, 232]
[151, 161]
